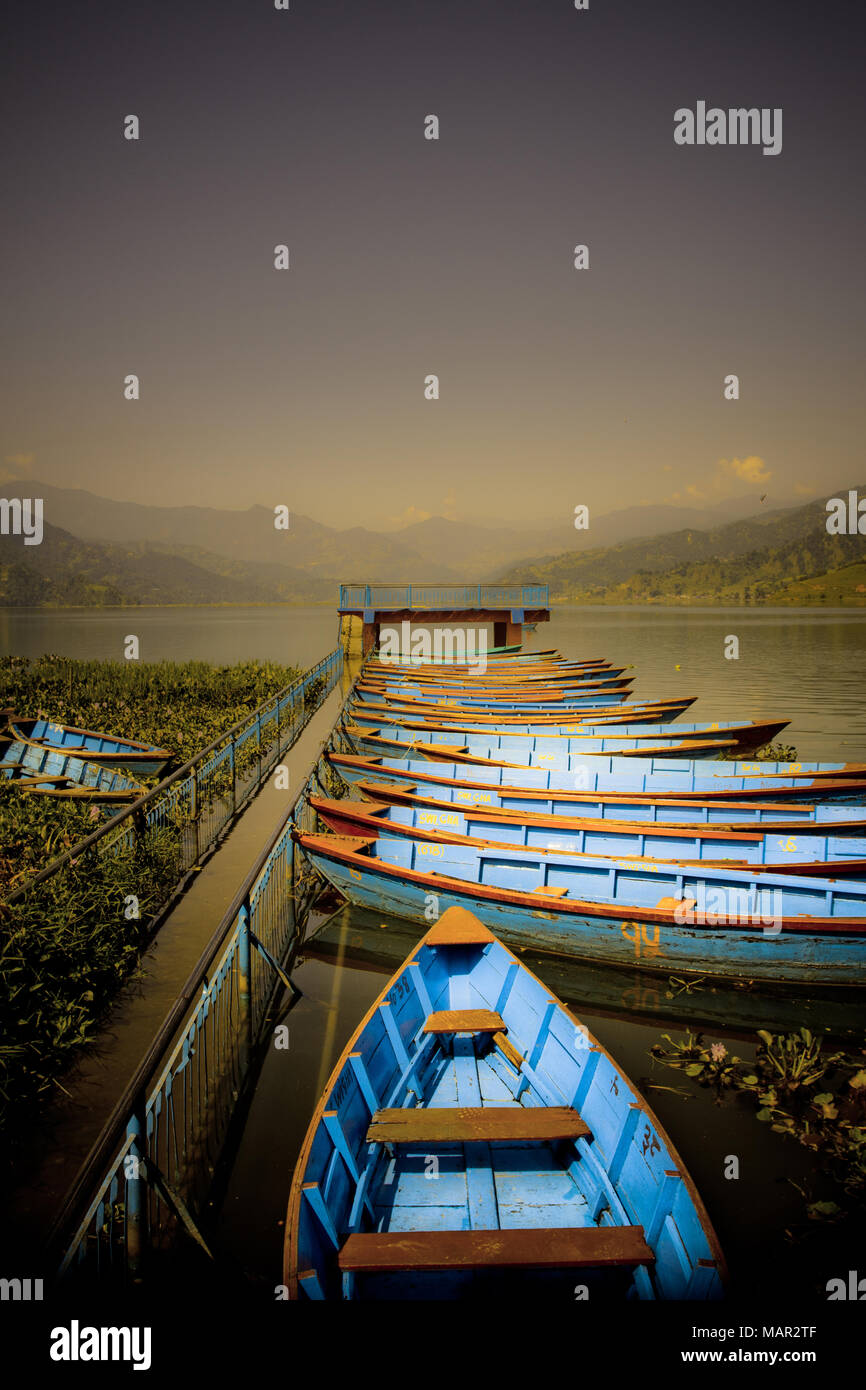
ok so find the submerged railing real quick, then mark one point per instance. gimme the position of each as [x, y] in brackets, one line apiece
[152, 1168]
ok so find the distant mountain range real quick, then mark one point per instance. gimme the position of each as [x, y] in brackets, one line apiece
[65, 571]
[98, 552]
[757, 560]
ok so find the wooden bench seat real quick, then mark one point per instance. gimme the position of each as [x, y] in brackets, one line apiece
[565, 1248]
[465, 1124]
[464, 1021]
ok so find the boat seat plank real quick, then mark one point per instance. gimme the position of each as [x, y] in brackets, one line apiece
[468, 1124]
[562, 1247]
[464, 1021]
[549, 891]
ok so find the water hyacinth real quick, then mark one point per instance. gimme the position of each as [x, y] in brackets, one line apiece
[799, 1089]
[167, 703]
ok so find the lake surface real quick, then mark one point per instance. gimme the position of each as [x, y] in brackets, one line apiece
[809, 665]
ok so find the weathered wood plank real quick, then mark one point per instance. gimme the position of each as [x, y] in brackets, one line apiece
[508, 1050]
[468, 1124]
[457, 927]
[465, 1021]
[586, 1246]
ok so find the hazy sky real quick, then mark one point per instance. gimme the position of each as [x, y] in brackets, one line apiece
[411, 256]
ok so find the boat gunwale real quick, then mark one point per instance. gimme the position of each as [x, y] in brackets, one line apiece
[137, 751]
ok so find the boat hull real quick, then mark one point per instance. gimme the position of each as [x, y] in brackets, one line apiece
[104, 750]
[823, 856]
[613, 933]
[796, 819]
[744, 737]
[473, 780]
[43, 771]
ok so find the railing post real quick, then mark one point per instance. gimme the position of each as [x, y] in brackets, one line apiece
[194, 806]
[234, 781]
[245, 1012]
[136, 1193]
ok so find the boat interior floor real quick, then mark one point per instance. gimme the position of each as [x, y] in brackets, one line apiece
[443, 1185]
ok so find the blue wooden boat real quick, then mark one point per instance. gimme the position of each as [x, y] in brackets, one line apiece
[472, 779]
[644, 770]
[565, 697]
[386, 674]
[475, 1140]
[107, 750]
[424, 739]
[497, 668]
[598, 700]
[674, 919]
[825, 856]
[626, 712]
[746, 736]
[45, 771]
[514, 652]
[537, 808]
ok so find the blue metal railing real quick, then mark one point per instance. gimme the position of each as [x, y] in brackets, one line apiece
[200, 799]
[355, 597]
[152, 1167]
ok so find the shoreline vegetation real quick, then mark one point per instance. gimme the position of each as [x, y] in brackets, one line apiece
[68, 944]
[809, 598]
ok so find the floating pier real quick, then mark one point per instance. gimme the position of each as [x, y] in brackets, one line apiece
[508, 607]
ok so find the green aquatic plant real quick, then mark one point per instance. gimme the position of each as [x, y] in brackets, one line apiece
[771, 752]
[182, 706]
[65, 946]
[798, 1088]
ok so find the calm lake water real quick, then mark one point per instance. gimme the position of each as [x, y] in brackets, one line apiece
[808, 665]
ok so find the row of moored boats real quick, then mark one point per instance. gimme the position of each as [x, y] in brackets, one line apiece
[474, 1138]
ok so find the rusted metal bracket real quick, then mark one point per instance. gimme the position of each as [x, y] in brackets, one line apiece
[278, 970]
[173, 1201]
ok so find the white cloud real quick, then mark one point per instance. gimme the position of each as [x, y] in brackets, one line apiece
[16, 466]
[726, 480]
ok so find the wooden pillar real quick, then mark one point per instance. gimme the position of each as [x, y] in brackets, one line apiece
[513, 634]
[370, 638]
